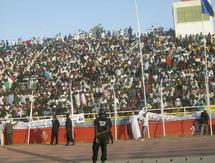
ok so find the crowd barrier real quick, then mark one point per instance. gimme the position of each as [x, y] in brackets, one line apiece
[85, 133]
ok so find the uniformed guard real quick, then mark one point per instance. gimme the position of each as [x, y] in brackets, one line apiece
[9, 131]
[102, 129]
[110, 135]
[69, 136]
[55, 129]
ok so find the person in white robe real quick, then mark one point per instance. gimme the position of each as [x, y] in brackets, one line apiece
[135, 126]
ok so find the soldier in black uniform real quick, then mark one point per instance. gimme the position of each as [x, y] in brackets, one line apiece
[110, 135]
[55, 129]
[204, 122]
[9, 132]
[69, 137]
[102, 129]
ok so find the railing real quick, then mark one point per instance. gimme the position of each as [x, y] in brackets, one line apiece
[177, 111]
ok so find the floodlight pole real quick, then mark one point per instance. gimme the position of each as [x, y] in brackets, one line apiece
[162, 108]
[72, 107]
[115, 113]
[207, 79]
[30, 118]
[141, 55]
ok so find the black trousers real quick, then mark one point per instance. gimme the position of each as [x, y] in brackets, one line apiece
[110, 137]
[103, 143]
[9, 138]
[69, 137]
[54, 136]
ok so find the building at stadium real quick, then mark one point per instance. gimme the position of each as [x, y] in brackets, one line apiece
[188, 18]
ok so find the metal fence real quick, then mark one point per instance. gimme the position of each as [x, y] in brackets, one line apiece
[177, 111]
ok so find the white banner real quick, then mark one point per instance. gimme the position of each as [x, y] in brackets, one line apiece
[47, 123]
[158, 117]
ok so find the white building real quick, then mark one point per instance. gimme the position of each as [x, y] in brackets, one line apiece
[188, 18]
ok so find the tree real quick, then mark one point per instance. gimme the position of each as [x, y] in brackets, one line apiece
[97, 30]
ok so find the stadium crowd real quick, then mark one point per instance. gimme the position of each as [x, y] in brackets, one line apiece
[46, 71]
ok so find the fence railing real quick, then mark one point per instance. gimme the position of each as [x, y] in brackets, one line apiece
[177, 111]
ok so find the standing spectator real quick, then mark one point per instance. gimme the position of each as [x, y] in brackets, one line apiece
[102, 129]
[55, 129]
[144, 118]
[1, 133]
[69, 134]
[204, 122]
[9, 131]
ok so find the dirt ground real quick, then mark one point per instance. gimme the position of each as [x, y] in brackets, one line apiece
[189, 149]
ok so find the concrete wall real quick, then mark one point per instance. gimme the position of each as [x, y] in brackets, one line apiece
[86, 134]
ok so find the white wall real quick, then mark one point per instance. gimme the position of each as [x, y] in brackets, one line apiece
[191, 27]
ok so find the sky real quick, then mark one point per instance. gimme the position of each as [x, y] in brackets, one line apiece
[36, 18]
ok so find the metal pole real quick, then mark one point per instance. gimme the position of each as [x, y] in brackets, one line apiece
[206, 79]
[162, 107]
[30, 119]
[72, 107]
[207, 89]
[184, 111]
[199, 99]
[141, 55]
[115, 114]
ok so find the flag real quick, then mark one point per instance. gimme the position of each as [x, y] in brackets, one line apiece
[207, 8]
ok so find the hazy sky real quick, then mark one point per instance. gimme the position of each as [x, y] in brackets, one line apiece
[29, 18]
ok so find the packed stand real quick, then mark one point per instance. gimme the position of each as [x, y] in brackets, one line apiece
[94, 68]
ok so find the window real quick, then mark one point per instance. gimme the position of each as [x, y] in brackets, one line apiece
[190, 14]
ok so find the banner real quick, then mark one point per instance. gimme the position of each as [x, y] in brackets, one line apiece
[79, 120]
[47, 123]
[158, 117]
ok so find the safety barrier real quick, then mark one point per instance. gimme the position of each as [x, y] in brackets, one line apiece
[177, 111]
[120, 130]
